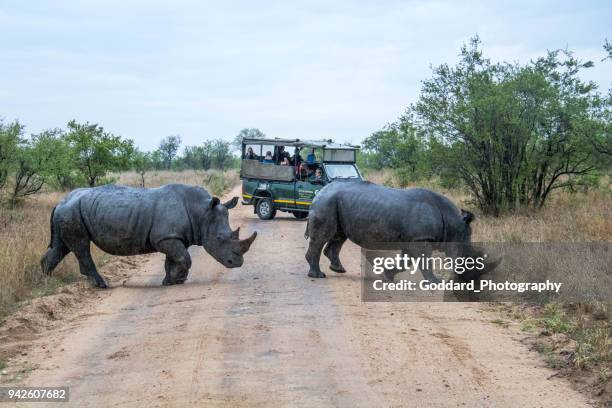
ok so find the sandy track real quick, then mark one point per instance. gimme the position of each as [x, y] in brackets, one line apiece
[265, 335]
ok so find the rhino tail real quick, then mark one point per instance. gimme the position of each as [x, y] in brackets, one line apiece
[306, 232]
[52, 229]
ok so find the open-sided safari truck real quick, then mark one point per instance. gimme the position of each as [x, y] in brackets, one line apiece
[286, 174]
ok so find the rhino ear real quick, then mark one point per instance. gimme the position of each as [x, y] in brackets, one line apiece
[231, 203]
[467, 216]
[214, 202]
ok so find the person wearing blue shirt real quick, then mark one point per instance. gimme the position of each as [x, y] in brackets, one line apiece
[268, 159]
[310, 159]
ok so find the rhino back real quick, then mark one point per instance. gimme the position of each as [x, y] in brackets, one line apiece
[370, 213]
[180, 212]
[124, 220]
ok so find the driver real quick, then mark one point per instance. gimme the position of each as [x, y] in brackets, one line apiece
[317, 177]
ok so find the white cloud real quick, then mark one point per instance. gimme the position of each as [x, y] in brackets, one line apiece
[205, 70]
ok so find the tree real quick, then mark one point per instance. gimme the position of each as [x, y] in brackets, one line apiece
[221, 154]
[38, 160]
[608, 48]
[513, 133]
[143, 163]
[211, 154]
[157, 160]
[198, 157]
[97, 152]
[168, 148]
[398, 145]
[251, 133]
[11, 135]
[603, 144]
[60, 165]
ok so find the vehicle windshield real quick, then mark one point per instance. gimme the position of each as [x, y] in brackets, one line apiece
[341, 171]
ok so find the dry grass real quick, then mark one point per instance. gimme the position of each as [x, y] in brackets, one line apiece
[215, 181]
[24, 236]
[567, 217]
[579, 217]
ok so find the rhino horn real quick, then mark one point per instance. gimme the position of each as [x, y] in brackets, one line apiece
[231, 203]
[236, 233]
[490, 266]
[245, 244]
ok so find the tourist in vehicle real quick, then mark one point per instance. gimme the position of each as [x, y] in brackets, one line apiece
[310, 159]
[250, 155]
[306, 171]
[285, 162]
[287, 156]
[297, 159]
[317, 177]
[280, 154]
[268, 159]
[302, 172]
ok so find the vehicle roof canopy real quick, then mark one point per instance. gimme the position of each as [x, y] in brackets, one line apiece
[324, 144]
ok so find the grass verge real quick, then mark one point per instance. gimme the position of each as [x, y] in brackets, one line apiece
[24, 236]
[573, 338]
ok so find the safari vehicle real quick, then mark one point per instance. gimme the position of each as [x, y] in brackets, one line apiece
[286, 174]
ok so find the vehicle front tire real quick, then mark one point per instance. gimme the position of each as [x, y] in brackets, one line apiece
[265, 209]
[300, 215]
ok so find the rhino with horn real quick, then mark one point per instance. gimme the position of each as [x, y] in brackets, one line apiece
[129, 221]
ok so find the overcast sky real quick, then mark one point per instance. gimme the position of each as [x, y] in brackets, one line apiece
[329, 69]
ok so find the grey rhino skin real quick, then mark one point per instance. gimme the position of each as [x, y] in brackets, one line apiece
[370, 214]
[130, 221]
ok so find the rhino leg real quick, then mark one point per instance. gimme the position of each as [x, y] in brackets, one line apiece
[321, 229]
[313, 256]
[332, 252]
[177, 262]
[88, 267]
[389, 274]
[75, 236]
[175, 273]
[424, 250]
[53, 257]
[416, 250]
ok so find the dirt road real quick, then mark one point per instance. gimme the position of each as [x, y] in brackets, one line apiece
[265, 335]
